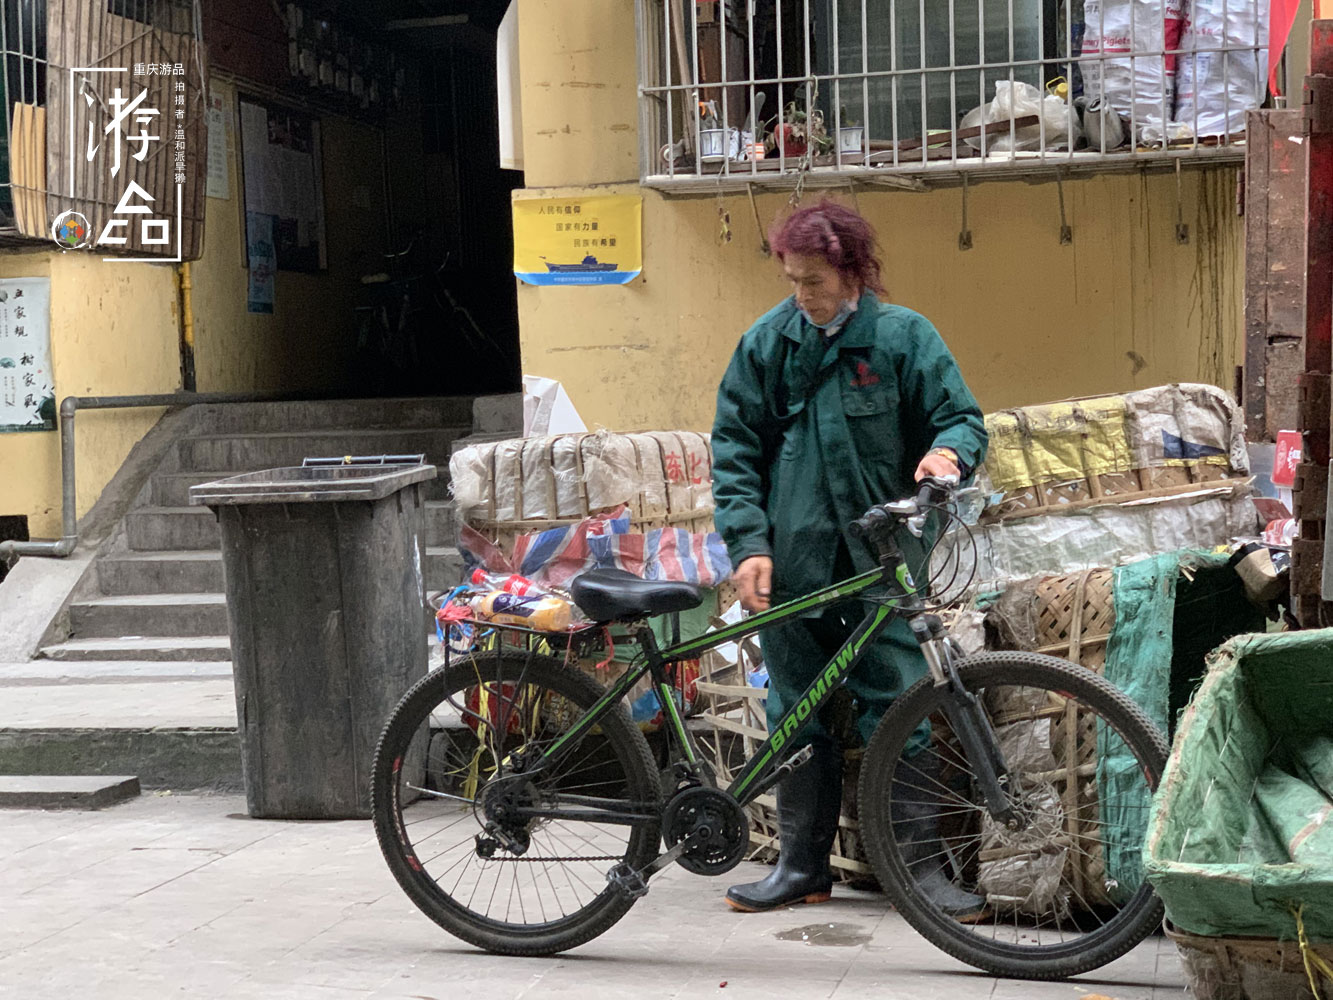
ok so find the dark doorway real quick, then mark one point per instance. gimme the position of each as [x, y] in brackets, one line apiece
[426, 301]
[452, 229]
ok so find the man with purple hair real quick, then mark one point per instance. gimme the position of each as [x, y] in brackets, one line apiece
[833, 401]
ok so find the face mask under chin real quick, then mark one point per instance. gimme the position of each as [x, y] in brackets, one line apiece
[841, 317]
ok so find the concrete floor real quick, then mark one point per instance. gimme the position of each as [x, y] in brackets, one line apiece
[186, 896]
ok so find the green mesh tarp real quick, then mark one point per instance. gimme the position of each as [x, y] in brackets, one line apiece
[1170, 610]
[1241, 830]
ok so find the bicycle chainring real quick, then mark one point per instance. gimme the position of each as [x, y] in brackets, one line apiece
[717, 822]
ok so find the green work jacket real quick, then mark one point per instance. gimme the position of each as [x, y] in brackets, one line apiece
[812, 431]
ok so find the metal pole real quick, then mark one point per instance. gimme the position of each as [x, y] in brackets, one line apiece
[65, 545]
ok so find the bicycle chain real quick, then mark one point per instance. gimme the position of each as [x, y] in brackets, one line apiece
[595, 857]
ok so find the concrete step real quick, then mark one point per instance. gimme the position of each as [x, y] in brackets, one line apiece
[65, 791]
[36, 673]
[153, 529]
[164, 529]
[172, 489]
[360, 414]
[164, 572]
[276, 449]
[149, 615]
[203, 648]
[180, 757]
[441, 530]
[443, 569]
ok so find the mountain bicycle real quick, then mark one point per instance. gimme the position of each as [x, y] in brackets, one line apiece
[521, 809]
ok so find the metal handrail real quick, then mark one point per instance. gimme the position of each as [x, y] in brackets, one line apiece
[64, 546]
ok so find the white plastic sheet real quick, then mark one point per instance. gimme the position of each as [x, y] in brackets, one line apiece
[547, 408]
[1057, 544]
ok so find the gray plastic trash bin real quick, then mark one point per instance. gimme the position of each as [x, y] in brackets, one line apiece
[326, 604]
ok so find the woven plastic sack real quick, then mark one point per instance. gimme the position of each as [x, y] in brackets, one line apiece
[1142, 87]
[1224, 66]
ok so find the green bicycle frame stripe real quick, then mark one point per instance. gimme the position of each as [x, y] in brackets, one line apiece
[837, 592]
[810, 702]
[678, 724]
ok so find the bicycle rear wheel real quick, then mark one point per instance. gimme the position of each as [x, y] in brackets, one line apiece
[459, 735]
[1064, 891]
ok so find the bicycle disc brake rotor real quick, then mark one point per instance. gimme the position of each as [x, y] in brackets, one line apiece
[718, 823]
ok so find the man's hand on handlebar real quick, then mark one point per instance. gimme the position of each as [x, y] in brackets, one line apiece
[939, 465]
[754, 579]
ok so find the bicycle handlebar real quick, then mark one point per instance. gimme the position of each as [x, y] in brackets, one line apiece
[931, 492]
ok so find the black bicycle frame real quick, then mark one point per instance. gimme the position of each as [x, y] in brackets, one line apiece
[900, 598]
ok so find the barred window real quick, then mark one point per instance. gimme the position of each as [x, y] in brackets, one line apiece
[832, 90]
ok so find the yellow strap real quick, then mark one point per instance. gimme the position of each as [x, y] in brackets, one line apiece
[1314, 963]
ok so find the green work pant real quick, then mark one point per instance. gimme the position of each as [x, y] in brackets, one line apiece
[797, 651]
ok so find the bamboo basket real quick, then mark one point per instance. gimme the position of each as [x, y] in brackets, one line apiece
[1234, 968]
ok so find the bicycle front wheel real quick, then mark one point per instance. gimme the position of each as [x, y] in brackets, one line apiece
[528, 886]
[1059, 891]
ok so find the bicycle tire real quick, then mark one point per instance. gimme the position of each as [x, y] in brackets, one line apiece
[615, 746]
[988, 674]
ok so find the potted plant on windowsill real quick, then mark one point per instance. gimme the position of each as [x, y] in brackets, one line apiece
[851, 134]
[797, 131]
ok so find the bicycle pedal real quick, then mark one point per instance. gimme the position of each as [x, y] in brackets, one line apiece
[628, 881]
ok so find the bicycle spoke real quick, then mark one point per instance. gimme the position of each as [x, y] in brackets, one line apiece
[1062, 886]
[484, 865]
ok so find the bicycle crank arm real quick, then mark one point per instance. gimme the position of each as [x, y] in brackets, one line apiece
[635, 883]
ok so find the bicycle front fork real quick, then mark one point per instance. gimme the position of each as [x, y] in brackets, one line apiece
[968, 720]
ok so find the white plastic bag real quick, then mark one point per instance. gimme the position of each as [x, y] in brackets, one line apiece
[1217, 87]
[1142, 87]
[1015, 100]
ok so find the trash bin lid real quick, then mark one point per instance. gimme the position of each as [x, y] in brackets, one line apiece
[311, 484]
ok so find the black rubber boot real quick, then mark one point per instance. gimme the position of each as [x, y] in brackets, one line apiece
[918, 799]
[808, 803]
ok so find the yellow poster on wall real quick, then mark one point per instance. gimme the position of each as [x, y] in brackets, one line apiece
[593, 240]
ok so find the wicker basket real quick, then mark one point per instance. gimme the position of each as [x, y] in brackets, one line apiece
[1220, 968]
[1051, 497]
[1071, 617]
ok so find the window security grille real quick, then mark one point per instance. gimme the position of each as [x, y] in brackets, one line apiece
[829, 91]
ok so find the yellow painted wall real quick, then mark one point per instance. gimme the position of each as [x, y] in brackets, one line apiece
[115, 327]
[1124, 306]
[113, 331]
